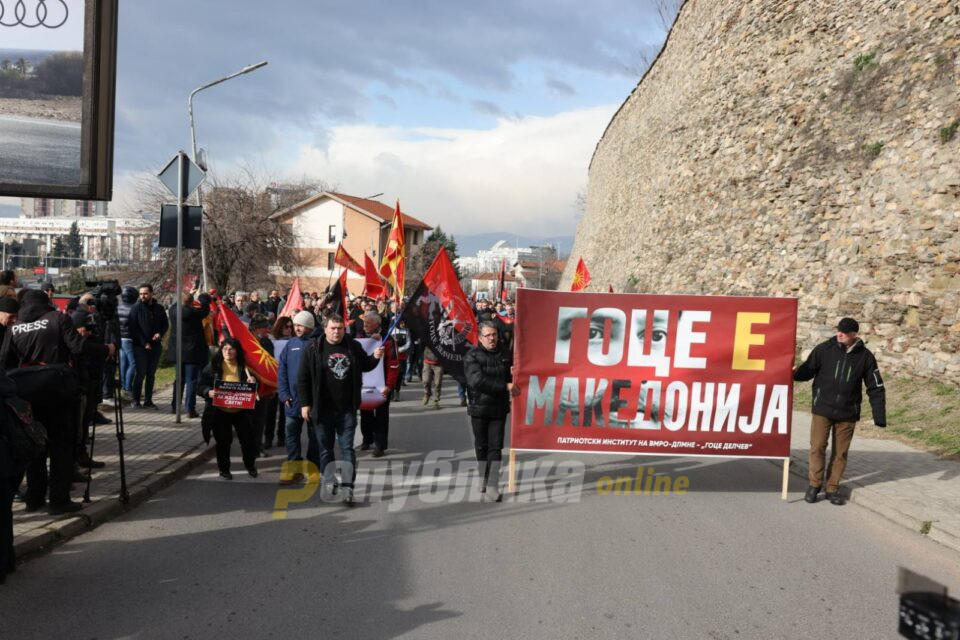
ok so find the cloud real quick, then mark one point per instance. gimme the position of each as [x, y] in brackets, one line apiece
[521, 175]
[326, 57]
[488, 108]
[558, 87]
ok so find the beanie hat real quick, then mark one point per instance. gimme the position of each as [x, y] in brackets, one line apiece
[9, 305]
[305, 319]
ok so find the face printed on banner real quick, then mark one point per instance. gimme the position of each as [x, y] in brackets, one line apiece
[607, 344]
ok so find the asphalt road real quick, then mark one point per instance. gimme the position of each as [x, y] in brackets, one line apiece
[39, 151]
[729, 559]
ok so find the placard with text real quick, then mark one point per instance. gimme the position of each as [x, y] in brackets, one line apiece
[235, 395]
[653, 374]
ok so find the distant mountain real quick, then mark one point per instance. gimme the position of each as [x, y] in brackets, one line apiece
[33, 56]
[469, 245]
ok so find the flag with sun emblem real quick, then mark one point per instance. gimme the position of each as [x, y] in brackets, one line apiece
[261, 363]
[581, 277]
[439, 314]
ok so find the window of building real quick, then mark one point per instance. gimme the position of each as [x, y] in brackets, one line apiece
[330, 258]
[333, 233]
[416, 237]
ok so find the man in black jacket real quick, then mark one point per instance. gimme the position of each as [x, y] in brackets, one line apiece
[329, 387]
[838, 367]
[489, 385]
[44, 336]
[147, 325]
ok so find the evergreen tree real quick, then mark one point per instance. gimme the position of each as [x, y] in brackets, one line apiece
[74, 245]
[58, 250]
[419, 261]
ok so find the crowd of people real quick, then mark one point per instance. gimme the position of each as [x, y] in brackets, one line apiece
[59, 365]
[107, 345]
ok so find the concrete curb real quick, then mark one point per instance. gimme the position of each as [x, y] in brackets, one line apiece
[868, 499]
[93, 515]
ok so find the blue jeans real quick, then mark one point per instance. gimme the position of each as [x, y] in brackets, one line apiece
[341, 425]
[461, 390]
[147, 361]
[128, 366]
[292, 428]
[188, 380]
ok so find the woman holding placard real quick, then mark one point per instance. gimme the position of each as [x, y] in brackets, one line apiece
[230, 391]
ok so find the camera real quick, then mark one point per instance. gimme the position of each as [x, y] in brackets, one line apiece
[926, 611]
[106, 293]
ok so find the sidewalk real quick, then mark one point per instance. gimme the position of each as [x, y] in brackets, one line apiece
[911, 487]
[157, 452]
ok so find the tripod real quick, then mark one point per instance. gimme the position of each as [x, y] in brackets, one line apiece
[118, 425]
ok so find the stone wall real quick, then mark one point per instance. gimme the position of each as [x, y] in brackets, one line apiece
[806, 149]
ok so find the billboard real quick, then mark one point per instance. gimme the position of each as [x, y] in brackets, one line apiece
[57, 80]
[653, 374]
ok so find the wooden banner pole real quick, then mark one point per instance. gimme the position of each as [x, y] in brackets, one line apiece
[786, 478]
[512, 472]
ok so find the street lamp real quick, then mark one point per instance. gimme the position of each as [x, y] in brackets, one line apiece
[193, 138]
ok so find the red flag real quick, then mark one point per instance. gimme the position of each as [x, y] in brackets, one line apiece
[294, 301]
[473, 298]
[258, 360]
[374, 284]
[346, 261]
[581, 277]
[394, 255]
[439, 313]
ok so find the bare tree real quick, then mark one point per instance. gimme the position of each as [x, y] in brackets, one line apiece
[667, 11]
[242, 244]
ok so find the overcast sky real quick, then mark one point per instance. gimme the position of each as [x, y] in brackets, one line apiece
[478, 116]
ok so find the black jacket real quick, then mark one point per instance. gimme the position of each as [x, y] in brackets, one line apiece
[837, 377]
[311, 377]
[194, 341]
[123, 317]
[8, 466]
[146, 320]
[43, 335]
[488, 373]
[209, 377]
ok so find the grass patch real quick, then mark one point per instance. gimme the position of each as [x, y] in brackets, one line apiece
[920, 413]
[871, 151]
[949, 132]
[164, 376]
[926, 526]
[864, 61]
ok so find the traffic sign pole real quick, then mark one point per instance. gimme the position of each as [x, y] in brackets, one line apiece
[181, 197]
[181, 176]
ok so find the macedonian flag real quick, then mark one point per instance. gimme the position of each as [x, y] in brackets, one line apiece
[261, 363]
[391, 266]
[581, 277]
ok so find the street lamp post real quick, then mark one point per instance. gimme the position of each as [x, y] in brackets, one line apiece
[193, 138]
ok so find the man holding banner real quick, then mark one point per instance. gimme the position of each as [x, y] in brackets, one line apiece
[329, 386]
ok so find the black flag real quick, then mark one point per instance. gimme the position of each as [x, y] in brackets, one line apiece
[440, 315]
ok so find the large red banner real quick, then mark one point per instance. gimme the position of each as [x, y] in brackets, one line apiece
[651, 374]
